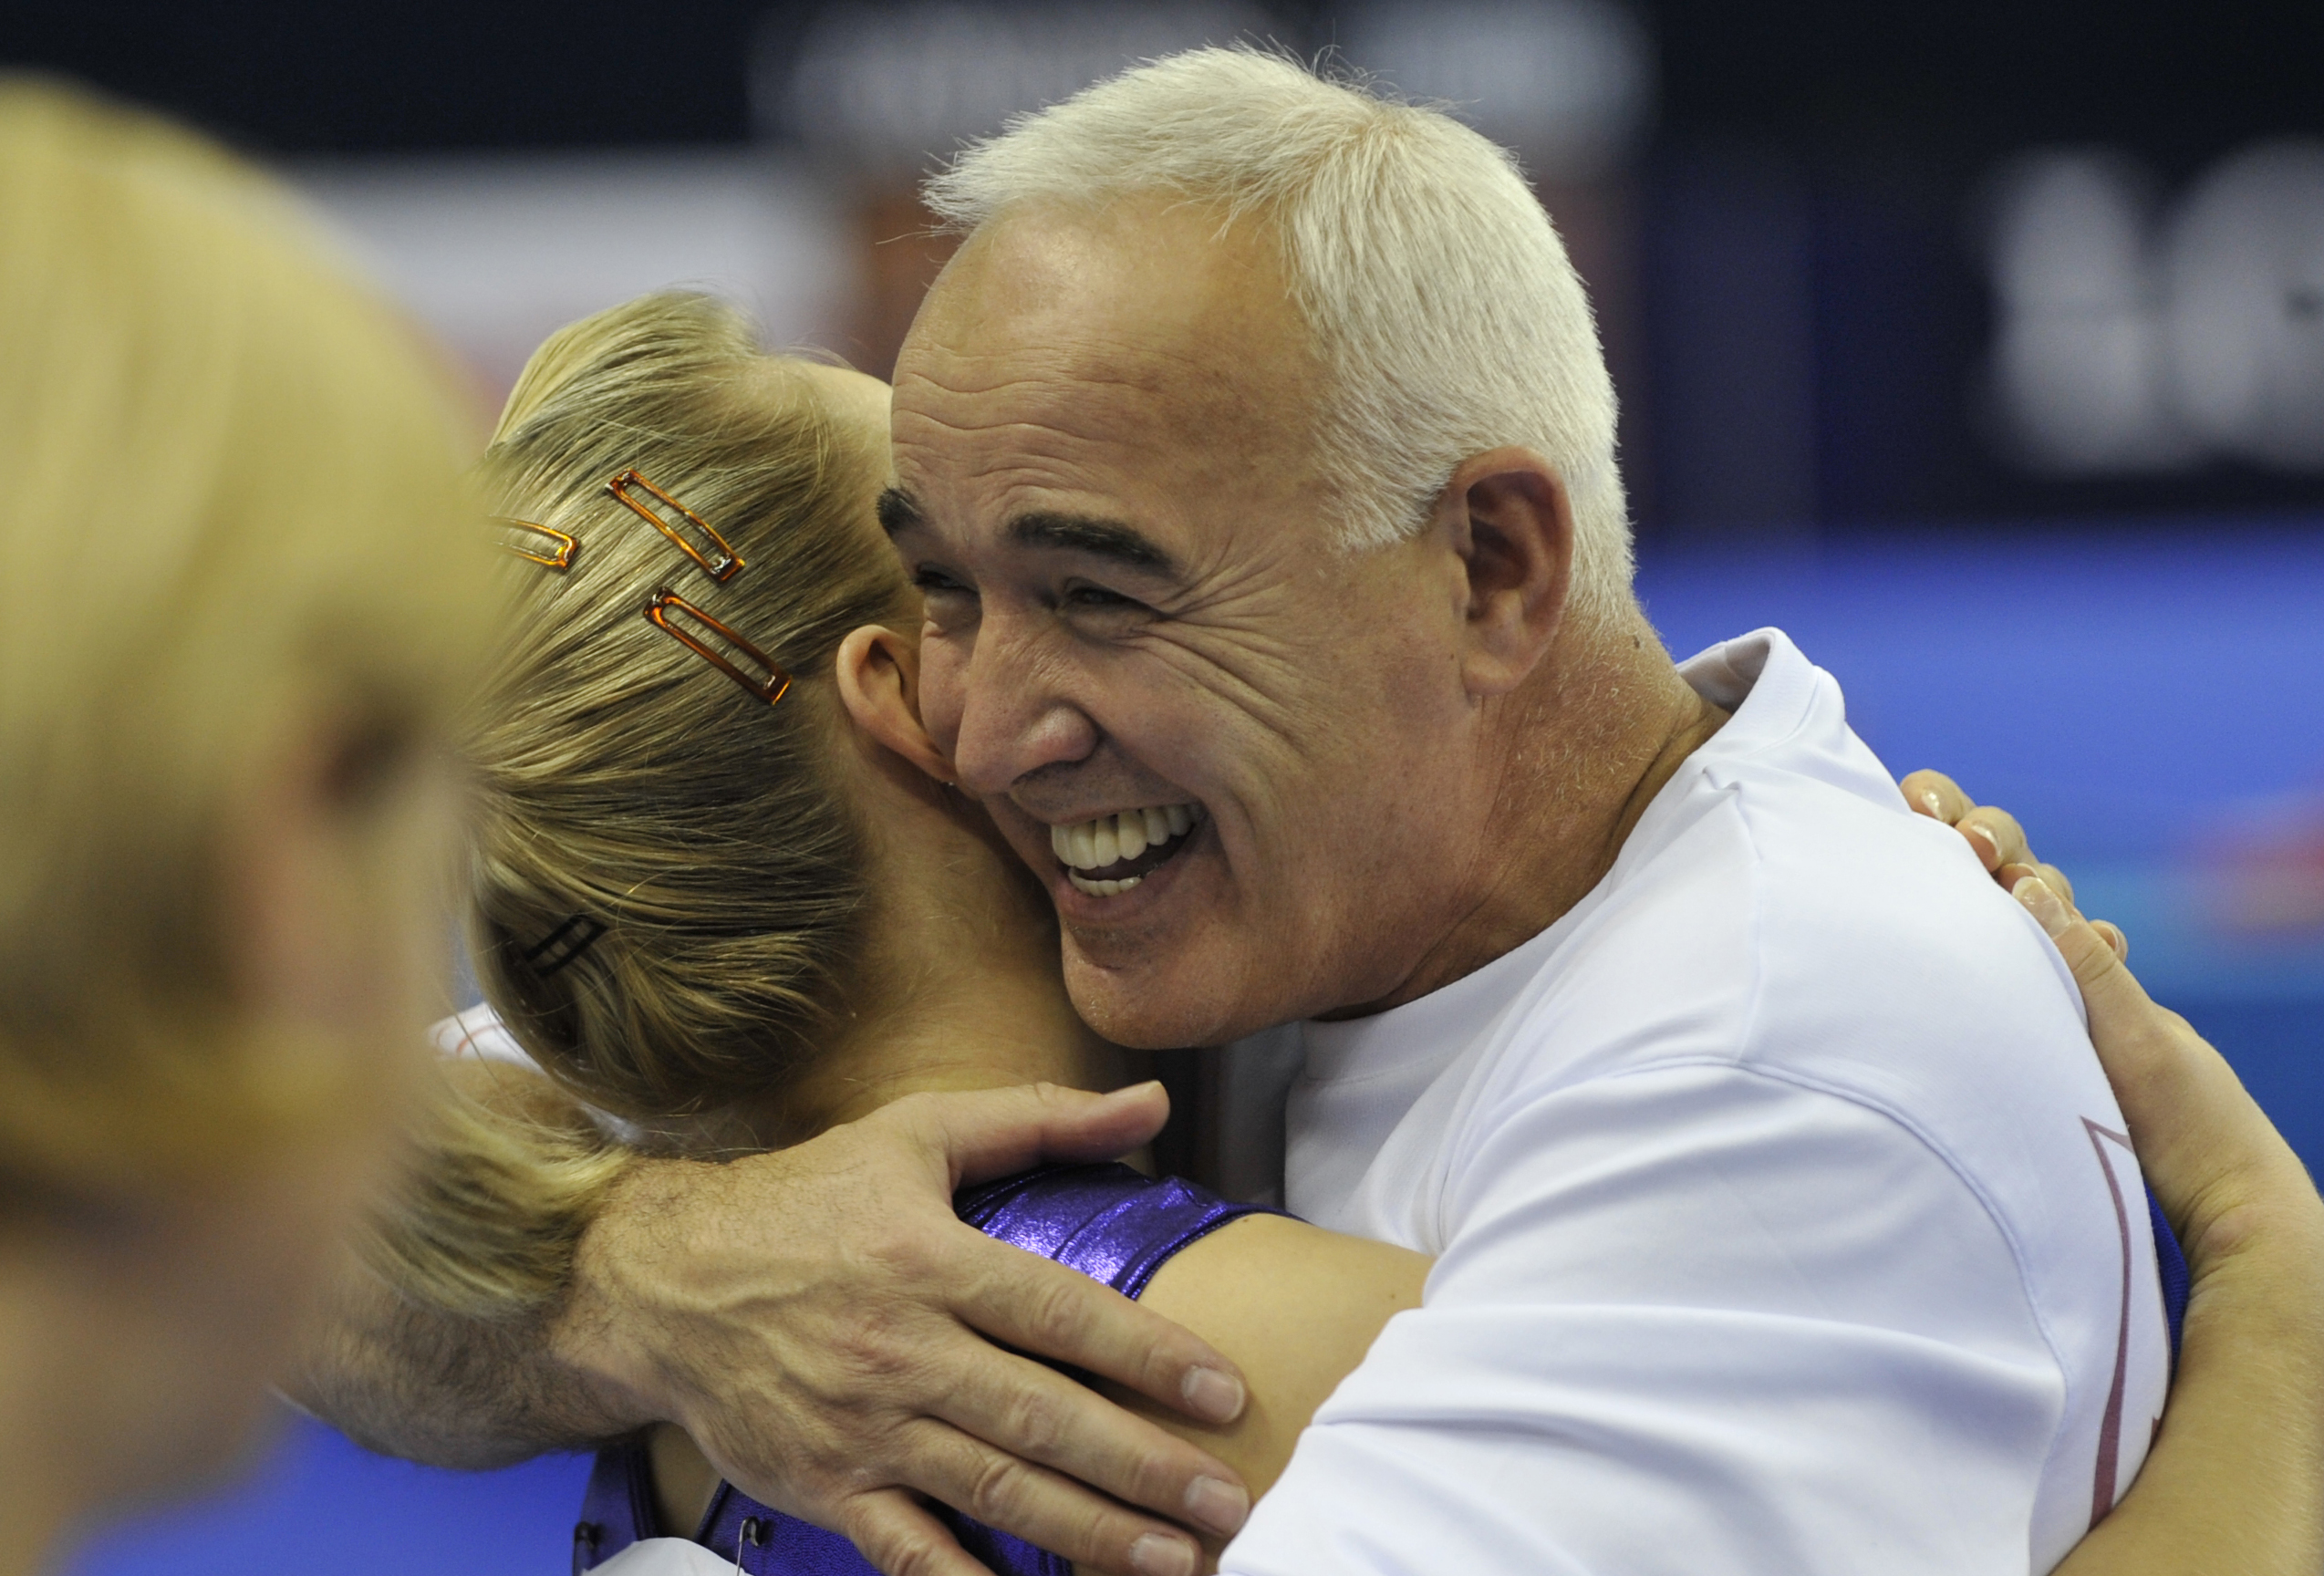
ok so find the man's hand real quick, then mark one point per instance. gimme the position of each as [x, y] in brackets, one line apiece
[823, 1326]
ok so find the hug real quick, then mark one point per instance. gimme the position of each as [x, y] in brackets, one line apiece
[1222, 631]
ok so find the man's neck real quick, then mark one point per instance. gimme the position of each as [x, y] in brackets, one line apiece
[1586, 749]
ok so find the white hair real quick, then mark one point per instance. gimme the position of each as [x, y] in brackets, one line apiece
[1439, 293]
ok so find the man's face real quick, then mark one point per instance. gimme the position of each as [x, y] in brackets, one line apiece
[1138, 616]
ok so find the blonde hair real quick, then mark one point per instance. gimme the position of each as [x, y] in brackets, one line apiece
[1436, 287]
[232, 500]
[623, 781]
[493, 1207]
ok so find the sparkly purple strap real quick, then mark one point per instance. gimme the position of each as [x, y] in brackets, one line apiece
[1106, 1221]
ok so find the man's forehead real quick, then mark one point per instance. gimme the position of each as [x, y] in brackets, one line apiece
[1151, 305]
[1005, 469]
[1138, 260]
[1135, 369]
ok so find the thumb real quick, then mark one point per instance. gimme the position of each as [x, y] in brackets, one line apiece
[997, 1132]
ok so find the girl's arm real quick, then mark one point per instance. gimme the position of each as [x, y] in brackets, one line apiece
[1295, 1307]
[2235, 1480]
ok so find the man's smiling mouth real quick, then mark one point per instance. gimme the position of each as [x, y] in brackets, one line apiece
[1107, 857]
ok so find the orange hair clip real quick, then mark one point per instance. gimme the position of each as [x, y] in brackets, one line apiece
[718, 562]
[561, 547]
[770, 689]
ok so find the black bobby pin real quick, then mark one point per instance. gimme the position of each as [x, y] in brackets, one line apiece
[564, 944]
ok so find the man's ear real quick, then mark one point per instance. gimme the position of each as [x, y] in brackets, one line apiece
[879, 684]
[1509, 522]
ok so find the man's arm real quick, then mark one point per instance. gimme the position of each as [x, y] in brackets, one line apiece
[820, 1321]
[435, 1343]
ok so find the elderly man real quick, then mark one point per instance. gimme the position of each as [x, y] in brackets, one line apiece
[1255, 457]
[1255, 454]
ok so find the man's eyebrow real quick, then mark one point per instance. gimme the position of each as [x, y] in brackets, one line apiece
[1099, 539]
[898, 511]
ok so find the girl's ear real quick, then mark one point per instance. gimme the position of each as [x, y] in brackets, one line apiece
[879, 684]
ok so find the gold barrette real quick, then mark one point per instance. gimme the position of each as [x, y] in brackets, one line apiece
[538, 544]
[770, 689]
[718, 562]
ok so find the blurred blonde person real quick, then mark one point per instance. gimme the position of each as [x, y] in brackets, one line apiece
[236, 563]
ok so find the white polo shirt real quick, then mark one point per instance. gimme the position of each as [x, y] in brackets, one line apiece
[1783, 1219]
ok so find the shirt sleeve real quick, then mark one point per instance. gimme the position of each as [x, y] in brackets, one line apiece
[1693, 1319]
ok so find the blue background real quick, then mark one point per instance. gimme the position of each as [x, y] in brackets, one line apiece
[2128, 693]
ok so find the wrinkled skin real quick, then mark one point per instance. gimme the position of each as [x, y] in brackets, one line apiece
[1110, 495]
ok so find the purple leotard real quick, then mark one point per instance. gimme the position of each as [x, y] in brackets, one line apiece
[1106, 1221]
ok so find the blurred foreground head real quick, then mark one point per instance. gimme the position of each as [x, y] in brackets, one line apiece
[242, 593]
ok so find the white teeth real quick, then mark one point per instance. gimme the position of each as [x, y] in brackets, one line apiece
[1106, 840]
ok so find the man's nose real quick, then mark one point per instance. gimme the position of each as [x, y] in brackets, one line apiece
[1015, 715]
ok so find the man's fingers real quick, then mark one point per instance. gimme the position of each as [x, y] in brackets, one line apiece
[1051, 1510]
[1023, 1301]
[1934, 794]
[993, 1133]
[898, 1534]
[2112, 935]
[1028, 1410]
